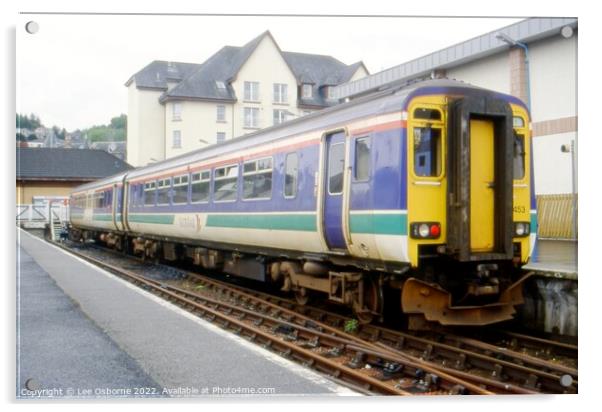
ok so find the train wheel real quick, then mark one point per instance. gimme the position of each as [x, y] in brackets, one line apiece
[373, 301]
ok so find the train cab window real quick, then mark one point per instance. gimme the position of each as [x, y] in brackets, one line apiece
[257, 179]
[164, 188]
[518, 121]
[336, 166]
[519, 156]
[225, 183]
[427, 151]
[362, 158]
[291, 170]
[149, 193]
[427, 114]
[180, 189]
[200, 186]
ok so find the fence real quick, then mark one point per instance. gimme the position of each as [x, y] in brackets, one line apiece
[555, 216]
[39, 214]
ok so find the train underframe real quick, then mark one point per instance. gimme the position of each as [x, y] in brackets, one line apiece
[441, 292]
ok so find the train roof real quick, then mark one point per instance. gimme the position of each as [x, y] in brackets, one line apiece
[116, 178]
[386, 101]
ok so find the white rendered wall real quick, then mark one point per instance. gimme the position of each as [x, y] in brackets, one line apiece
[146, 126]
[491, 72]
[266, 66]
[198, 124]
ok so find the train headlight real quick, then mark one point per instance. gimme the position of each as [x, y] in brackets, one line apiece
[521, 229]
[425, 230]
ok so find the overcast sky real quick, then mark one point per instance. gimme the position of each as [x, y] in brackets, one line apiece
[72, 71]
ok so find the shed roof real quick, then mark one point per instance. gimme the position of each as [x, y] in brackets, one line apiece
[66, 164]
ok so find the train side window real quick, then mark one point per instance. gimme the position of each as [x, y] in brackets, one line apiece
[336, 164]
[225, 183]
[164, 186]
[427, 151]
[257, 179]
[200, 186]
[519, 156]
[291, 170]
[180, 189]
[149, 193]
[362, 158]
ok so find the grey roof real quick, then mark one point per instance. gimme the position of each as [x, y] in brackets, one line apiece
[156, 74]
[66, 164]
[224, 65]
[524, 31]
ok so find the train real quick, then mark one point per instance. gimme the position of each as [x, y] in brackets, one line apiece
[421, 194]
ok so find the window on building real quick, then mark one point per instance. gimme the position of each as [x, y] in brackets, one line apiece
[176, 142]
[220, 137]
[336, 166]
[177, 111]
[279, 116]
[519, 156]
[149, 193]
[257, 179]
[328, 92]
[220, 84]
[427, 151]
[180, 189]
[251, 117]
[280, 93]
[306, 91]
[163, 191]
[362, 158]
[225, 183]
[221, 113]
[291, 169]
[252, 91]
[199, 191]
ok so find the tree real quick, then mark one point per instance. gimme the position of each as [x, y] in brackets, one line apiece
[119, 122]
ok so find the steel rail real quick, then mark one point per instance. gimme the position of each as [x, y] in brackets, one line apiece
[222, 314]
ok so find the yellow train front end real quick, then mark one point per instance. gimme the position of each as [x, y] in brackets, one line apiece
[469, 205]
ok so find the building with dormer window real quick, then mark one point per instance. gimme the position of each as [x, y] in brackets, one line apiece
[174, 108]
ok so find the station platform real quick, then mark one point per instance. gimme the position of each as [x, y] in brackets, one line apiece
[85, 333]
[554, 258]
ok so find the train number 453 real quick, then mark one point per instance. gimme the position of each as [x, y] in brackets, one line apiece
[519, 209]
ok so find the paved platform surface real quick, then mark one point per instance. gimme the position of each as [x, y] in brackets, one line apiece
[128, 338]
[555, 257]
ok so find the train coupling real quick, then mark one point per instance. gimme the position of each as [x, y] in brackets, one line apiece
[435, 304]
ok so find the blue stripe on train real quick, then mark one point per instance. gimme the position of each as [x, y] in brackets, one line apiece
[385, 190]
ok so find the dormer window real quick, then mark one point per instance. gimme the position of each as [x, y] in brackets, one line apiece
[328, 92]
[306, 91]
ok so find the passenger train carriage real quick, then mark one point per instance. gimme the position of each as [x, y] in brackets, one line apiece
[424, 191]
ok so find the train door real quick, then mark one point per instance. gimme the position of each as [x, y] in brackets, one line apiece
[117, 205]
[482, 187]
[481, 147]
[333, 184]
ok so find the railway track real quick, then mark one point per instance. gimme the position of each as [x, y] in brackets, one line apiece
[368, 358]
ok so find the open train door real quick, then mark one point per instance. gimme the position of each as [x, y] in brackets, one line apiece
[332, 189]
[480, 173]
